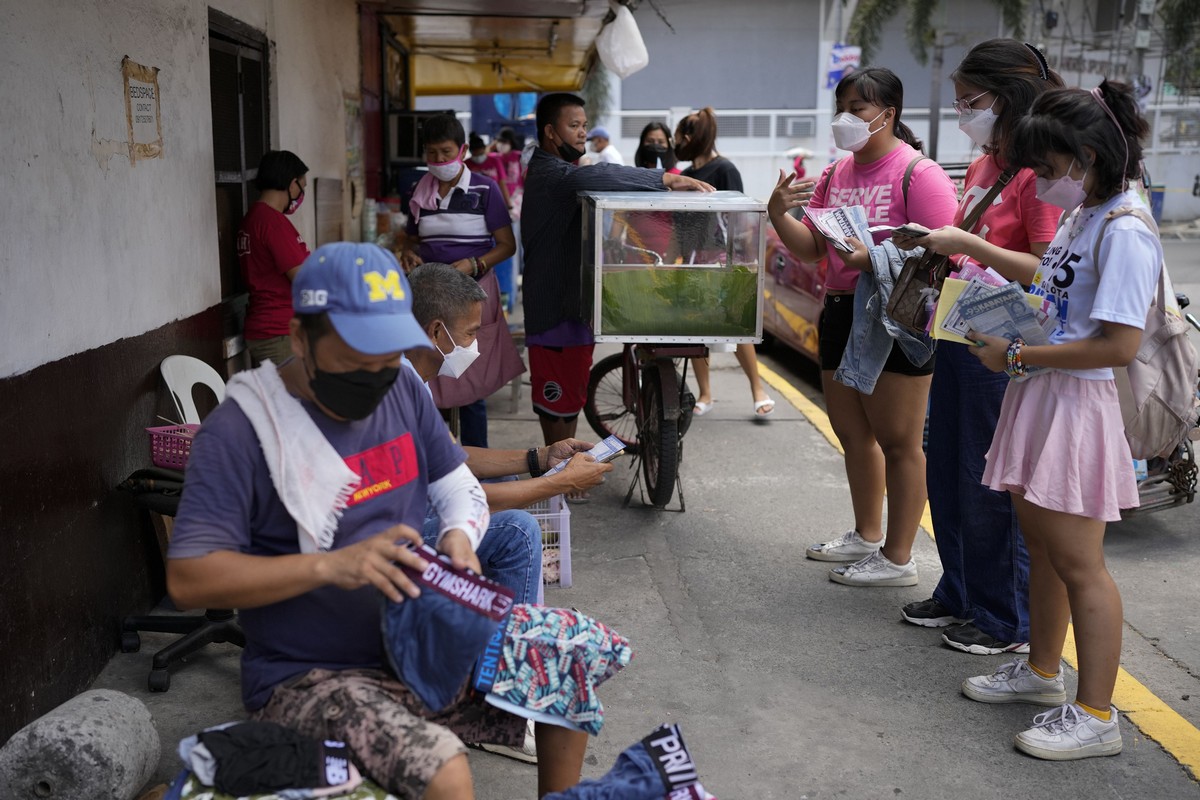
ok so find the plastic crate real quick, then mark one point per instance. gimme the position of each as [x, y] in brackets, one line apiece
[554, 517]
[171, 445]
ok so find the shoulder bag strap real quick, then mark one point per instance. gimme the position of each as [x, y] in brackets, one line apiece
[983, 204]
[908, 172]
[1149, 222]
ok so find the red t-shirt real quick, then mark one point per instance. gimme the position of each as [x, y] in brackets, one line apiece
[268, 248]
[1016, 218]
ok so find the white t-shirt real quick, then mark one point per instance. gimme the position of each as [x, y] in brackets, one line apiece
[609, 155]
[1118, 289]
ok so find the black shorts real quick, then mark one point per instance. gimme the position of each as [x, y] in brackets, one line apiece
[834, 332]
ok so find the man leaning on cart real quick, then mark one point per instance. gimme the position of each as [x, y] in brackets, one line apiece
[559, 342]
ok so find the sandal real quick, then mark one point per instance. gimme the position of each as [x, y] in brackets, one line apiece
[761, 404]
[702, 408]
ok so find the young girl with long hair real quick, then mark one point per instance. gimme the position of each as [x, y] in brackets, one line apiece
[696, 141]
[985, 570]
[880, 432]
[1060, 447]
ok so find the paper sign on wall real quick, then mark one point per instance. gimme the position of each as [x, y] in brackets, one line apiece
[142, 110]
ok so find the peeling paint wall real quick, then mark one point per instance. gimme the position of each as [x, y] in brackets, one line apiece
[96, 249]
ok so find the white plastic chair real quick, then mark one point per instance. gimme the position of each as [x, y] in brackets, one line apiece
[181, 374]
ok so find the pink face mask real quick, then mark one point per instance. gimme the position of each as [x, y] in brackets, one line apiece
[1065, 192]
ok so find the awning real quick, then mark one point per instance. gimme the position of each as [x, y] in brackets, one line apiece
[496, 46]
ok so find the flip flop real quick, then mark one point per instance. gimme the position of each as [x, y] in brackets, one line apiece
[758, 414]
[701, 409]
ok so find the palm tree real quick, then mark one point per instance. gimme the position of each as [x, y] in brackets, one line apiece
[870, 16]
[1181, 36]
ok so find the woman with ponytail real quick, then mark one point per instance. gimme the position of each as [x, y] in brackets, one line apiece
[985, 570]
[1060, 447]
[879, 430]
[696, 141]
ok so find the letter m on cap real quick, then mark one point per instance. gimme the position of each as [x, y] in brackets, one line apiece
[383, 286]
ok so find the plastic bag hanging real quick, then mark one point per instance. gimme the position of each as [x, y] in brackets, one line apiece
[620, 44]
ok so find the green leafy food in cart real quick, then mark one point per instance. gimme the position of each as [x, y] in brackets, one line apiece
[679, 301]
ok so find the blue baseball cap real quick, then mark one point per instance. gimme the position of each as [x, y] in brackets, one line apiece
[598, 132]
[365, 293]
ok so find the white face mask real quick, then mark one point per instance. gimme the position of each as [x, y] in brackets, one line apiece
[978, 124]
[455, 363]
[1065, 192]
[446, 170]
[503, 147]
[479, 159]
[851, 133]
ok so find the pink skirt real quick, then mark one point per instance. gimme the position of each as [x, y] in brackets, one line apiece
[1060, 442]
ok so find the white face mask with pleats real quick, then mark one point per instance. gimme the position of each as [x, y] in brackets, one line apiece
[455, 363]
[851, 133]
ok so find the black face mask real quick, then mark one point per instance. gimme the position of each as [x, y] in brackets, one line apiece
[569, 153]
[351, 395]
[649, 155]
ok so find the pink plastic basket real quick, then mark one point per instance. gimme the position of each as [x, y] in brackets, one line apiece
[171, 445]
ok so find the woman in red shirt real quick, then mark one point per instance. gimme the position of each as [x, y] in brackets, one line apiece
[270, 252]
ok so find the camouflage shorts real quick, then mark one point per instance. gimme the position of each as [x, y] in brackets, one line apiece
[395, 741]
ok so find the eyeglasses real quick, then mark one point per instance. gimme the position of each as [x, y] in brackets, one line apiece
[963, 106]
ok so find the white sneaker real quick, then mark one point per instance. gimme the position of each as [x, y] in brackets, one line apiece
[527, 752]
[847, 547]
[1068, 732]
[1015, 682]
[875, 570]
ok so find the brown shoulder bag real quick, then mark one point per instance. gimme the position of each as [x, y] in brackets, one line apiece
[920, 281]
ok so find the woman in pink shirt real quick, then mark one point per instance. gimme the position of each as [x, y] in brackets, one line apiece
[880, 432]
[983, 595]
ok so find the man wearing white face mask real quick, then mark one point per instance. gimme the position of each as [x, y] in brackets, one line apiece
[448, 308]
[460, 217]
[447, 305]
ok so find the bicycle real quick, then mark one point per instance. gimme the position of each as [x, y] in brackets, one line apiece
[640, 396]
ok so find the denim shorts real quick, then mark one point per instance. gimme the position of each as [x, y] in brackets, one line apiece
[834, 332]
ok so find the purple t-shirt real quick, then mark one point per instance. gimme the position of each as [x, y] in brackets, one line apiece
[230, 503]
[462, 224]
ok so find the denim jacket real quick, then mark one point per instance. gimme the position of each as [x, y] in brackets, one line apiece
[873, 332]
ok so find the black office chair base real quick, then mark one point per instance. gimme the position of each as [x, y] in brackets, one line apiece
[217, 625]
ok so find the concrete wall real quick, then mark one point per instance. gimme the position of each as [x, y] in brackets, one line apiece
[105, 268]
[727, 55]
[127, 248]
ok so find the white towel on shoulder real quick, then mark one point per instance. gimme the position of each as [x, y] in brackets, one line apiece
[312, 480]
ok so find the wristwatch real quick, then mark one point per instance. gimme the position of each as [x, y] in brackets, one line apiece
[534, 463]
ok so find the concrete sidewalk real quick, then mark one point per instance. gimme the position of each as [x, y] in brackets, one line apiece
[786, 685]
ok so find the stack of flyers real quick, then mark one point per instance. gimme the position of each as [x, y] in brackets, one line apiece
[839, 224]
[1004, 311]
[607, 450]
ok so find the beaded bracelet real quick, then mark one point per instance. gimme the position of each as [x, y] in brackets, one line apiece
[1012, 359]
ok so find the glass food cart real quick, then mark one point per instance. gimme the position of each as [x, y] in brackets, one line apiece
[669, 275]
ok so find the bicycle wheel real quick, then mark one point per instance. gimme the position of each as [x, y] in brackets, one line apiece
[660, 440]
[605, 409]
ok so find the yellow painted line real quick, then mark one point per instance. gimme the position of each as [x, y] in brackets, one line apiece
[819, 420]
[1154, 718]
